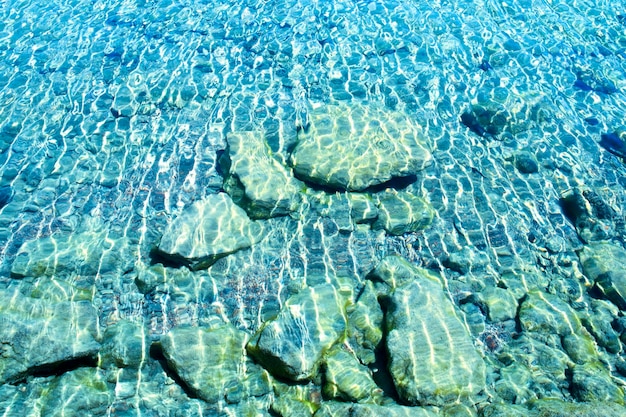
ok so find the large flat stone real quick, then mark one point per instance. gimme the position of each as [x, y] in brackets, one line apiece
[35, 334]
[432, 358]
[257, 182]
[402, 212]
[604, 263]
[208, 230]
[63, 254]
[548, 314]
[292, 344]
[353, 147]
[213, 363]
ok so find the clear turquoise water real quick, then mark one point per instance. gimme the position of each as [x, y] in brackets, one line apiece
[113, 115]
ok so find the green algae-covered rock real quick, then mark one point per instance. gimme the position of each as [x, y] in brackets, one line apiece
[599, 323]
[505, 410]
[604, 263]
[432, 358]
[402, 212]
[548, 314]
[514, 383]
[36, 334]
[213, 363]
[346, 379]
[257, 182]
[338, 409]
[208, 230]
[537, 365]
[365, 323]
[180, 283]
[392, 272]
[61, 255]
[499, 303]
[549, 407]
[81, 392]
[296, 400]
[124, 345]
[292, 344]
[352, 147]
[362, 207]
[591, 382]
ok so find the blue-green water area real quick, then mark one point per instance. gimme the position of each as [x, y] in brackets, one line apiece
[312, 208]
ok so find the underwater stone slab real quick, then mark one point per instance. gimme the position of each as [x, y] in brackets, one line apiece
[401, 212]
[60, 255]
[392, 272]
[213, 363]
[339, 409]
[355, 147]
[124, 345]
[208, 230]
[559, 408]
[295, 400]
[432, 358]
[365, 323]
[81, 392]
[257, 182]
[499, 303]
[496, 111]
[292, 344]
[604, 263]
[592, 382]
[36, 334]
[548, 314]
[346, 379]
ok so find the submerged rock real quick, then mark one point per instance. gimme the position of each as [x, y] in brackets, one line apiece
[603, 263]
[206, 231]
[292, 344]
[496, 110]
[548, 314]
[589, 213]
[592, 382]
[6, 194]
[402, 212]
[213, 363]
[338, 409]
[365, 323]
[257, 182]
[37, 335]
[124, 345]
[352, 147]
[346, 379]
[432, 359]
[558, 408]
[61, 255]
[81, 392]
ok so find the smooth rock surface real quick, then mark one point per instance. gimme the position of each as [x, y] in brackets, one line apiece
[213, 363]
[338, 409]
[81, 392]
[352, 147]
[310, 322]
[208, 230]
[547, 314]
[365, 323]
[603, 263]
[348, 380]
[432, 358]
[257, 182]
[125, 344]
[402, 212]
[61, 254]
[36, 334]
